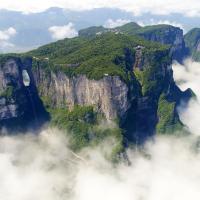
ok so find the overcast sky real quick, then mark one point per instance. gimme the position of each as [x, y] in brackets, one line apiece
[186, 7]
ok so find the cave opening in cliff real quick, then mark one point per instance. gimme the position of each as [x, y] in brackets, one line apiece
[26, 78]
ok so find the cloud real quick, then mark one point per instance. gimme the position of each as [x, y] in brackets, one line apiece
[110, 23]
[43, 167]
[61, 32]
[5, 36]
[189, 8]
[157, 175]
[153, 22]
[188, 76]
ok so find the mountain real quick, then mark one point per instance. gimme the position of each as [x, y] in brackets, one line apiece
[32, 28]
[129, 28]
[192, 40]
[84, 82]
[164, 34]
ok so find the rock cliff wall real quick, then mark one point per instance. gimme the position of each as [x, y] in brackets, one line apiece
[20, 104]
[169, 35]
[135, 102]
[109, 95]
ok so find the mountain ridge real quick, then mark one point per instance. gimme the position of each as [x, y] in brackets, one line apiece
[124, 78]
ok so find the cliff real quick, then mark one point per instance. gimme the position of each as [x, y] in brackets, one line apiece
[113, 77]
[108, 95]
[20, 105]
[169, 35]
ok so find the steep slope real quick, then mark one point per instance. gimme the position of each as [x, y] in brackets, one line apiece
[192, 40]
[166, 34]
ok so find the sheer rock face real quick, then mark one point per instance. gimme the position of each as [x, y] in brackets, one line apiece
[109, 95]
[9, 77]
[19, 104]
[172, 36]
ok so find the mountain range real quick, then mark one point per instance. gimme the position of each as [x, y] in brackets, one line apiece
[121, 76]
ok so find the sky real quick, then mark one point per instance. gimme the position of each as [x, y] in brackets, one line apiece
[138, 7]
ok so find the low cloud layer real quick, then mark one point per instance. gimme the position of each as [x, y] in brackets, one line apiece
[61, 32]
[42, 167]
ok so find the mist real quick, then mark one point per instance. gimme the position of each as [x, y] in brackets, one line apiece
[43, 167]
[188, 76]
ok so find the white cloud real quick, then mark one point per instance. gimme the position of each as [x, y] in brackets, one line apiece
[61, 32]
[5, 36]
[188, 76]
[110, 23]
[189, 8]
[153, 22]
[42, 167]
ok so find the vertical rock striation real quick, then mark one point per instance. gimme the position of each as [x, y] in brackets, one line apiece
[109, 95]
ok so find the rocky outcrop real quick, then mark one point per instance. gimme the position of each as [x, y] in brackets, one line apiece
[109, 95]
[19, 103]
[155, 75]
[169, 35]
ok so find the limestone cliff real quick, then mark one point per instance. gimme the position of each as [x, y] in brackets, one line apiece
[109, 95]
[19, 103]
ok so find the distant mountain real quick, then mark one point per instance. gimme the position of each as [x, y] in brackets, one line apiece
[32, 29]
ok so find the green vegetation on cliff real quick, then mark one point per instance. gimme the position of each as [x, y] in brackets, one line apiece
[83, 125]
[153, 78]
[192, 40]
[104, 54]
[8, 92]
[168, 120]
